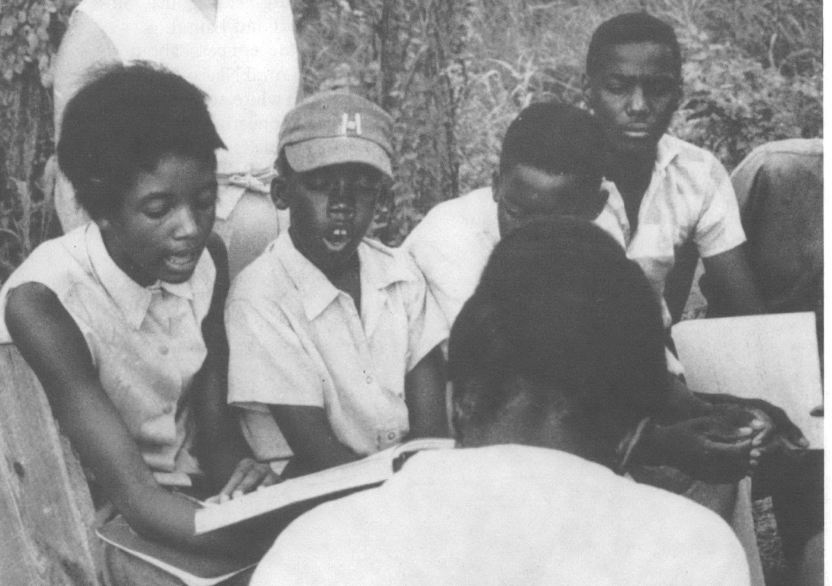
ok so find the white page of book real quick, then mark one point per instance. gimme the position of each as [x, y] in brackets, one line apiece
[772, 357]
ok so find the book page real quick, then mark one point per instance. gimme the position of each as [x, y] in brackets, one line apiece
[772, 357]
[366, 472]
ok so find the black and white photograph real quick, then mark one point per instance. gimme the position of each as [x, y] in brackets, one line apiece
[411, 293]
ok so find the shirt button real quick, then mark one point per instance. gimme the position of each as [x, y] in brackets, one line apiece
[391, 435]
[369, 380]
[168, 409]
[163, 350]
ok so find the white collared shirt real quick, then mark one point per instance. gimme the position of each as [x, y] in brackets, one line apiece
[146, 342]
[506, 514]
[690, 198]
[295, 339]
[453, 242]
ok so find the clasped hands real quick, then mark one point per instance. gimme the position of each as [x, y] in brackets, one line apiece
[728, 440]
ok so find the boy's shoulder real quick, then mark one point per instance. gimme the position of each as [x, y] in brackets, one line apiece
[679, 152]
[465, 209]
[468, 215]
[384, 265]
[265, 278]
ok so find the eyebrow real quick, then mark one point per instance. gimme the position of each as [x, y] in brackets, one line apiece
[209, 184]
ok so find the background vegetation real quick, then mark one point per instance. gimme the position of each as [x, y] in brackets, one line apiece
[453, 74]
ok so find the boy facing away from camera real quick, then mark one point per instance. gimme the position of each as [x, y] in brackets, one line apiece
[333, 336]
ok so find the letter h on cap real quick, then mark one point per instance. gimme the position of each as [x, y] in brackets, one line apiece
[350, 126]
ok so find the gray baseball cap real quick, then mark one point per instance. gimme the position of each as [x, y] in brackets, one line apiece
[335, 127]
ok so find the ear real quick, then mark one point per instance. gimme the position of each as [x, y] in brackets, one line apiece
[104, 224]
[280, 192]
[496, 177]
[586, 90]
[680, 94]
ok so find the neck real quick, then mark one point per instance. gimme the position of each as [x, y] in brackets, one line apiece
[628, 167]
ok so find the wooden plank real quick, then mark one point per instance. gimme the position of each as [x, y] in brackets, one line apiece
[46, 511]
[772, 357]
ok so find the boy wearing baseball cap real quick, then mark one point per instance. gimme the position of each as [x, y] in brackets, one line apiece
[333, 337]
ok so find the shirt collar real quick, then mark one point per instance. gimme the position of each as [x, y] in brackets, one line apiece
[317, 292]
[380, 267]
[131, 298]
[613, 218]
[668, 149]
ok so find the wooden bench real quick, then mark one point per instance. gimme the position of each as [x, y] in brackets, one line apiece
[46, 512]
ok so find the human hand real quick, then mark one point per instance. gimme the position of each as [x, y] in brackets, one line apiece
[777, 435]
[249, 475]
[712, 448]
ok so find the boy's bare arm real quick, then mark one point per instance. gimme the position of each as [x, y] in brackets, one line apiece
[309, 434]
[424, 391]
[731, 276]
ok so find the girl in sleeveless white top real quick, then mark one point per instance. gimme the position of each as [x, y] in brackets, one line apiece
[121, 319]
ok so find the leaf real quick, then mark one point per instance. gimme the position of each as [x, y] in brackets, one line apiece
[8, 24]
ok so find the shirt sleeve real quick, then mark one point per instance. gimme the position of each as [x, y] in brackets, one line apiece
[427, 327]
[451, 261]
[719, 228]
[268, 364]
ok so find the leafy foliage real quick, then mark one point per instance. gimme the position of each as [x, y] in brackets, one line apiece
[454, 74]
[30, 31]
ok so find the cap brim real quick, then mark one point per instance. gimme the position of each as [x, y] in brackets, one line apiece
[320, 152]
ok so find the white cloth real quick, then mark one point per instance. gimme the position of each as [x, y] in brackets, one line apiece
[506, 514]
[246, 62]
[453, 242]
[295, 339]
[146, 343]
[690, 198]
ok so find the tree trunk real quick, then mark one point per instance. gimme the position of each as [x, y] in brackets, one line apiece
[422, 80]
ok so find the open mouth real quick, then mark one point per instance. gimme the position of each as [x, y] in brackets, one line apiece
[183, 261]
[337, 238]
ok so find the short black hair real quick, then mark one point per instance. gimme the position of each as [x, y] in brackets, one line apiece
[632, 27]
[555, 138]
[559, 304]
[122, 123]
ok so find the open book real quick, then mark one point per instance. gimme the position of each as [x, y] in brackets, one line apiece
[771, 357]
[191, 568]
[285, 501]
[298, 495]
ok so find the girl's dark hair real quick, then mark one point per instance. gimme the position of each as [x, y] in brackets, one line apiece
[122, 123]
[632, 27]
[559, 304]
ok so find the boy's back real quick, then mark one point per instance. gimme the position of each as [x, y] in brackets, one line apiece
[507, 514]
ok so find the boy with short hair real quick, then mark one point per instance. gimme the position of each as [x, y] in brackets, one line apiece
[672, 192]
[333, 336]
[549, 165]
[556, 361]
